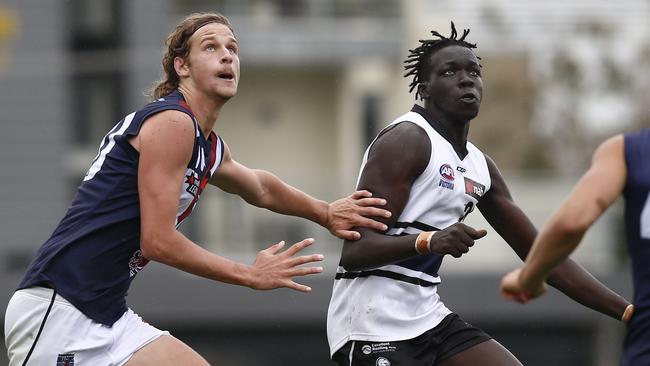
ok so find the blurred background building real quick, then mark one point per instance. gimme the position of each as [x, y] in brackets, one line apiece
[319, 79]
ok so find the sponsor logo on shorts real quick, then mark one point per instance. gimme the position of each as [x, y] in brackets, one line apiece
[378, 348]
[381, 361]
[65, 359]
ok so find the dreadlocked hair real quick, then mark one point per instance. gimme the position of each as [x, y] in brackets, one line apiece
[417, 63]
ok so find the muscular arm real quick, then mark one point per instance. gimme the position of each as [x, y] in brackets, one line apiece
[263, 189]
[500, 210]
[593, 194]
[395, 161]
[165, 144]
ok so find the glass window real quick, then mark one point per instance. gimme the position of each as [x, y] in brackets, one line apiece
[96, 80]
[94, 24]
[96, 107]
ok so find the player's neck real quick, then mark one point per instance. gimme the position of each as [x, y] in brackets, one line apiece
[458, 129]
[205, 108]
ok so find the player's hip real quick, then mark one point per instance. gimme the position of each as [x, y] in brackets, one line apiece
[45, 328]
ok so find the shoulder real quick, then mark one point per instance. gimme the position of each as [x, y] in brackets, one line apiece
[402, 149]
[402, 135]
[171, 101]
[498, 186]
[169, 128]
[171, 119]
[613, 143]
[405, 129]
[610, 153]
[165, 127]
[404, 141]
[174, 115]
[613, 147]
[492, 166]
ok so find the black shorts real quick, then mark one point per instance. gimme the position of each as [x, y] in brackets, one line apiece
[450, 337]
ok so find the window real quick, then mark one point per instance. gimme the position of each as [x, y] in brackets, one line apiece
[96, 79]
[96, 106]
[94, 24]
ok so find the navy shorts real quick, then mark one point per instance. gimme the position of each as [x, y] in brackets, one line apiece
[450, 337]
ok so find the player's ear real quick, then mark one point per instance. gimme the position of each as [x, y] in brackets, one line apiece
[181, 66]
[423, 90]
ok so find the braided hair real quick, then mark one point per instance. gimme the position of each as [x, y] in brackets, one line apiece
[417, 63]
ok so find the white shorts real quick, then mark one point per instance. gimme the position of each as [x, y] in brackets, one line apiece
[68, 337]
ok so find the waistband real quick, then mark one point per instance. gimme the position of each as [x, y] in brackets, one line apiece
[44, 294]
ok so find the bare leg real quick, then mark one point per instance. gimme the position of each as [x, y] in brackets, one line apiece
[488, 353]
[166, 351]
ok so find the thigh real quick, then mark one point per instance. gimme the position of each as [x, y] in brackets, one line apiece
[166, 351]
[488, 353]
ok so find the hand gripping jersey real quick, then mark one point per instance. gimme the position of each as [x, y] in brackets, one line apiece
[94, 253]
[399, 301]
[637, 225]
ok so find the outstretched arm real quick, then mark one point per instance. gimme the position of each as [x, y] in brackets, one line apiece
[395, 161]
[593, 194]
[263, 189]
[165, 144]
[500, 210]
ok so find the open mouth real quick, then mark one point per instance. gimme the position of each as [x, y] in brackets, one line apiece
[226, 75]
[468, 98]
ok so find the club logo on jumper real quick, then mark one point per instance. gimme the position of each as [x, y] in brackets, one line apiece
[474, 189]
[447, 174]
[65, 359]
[192, 181]
[137, 263]
[366, 349]
[381, 361]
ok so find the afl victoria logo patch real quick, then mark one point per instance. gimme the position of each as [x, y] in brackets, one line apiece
[447, 172]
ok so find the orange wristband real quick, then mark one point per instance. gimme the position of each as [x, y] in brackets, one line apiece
[627, 314]
[423, 242]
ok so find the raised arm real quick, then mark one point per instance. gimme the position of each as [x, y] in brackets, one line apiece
[263, 189]
[500, 210]
[165, 144]
[594, 193]
[395, 161]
